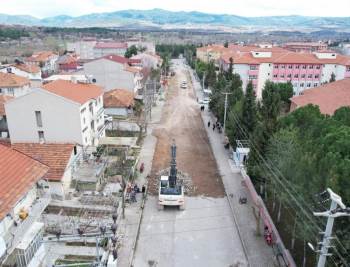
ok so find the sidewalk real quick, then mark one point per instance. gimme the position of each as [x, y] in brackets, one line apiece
[128, 227]
[256, 249]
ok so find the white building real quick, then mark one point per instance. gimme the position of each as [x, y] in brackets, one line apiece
[114, 71]
[31, 72]
[84, 48]
[149, 60]
[46, 60]
[59, 112]
[13, 85]
[20, 234]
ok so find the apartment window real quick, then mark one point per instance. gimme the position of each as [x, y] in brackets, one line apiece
[316, 76]
[11, 91]
[91, 108]
[296, 75]
[283, 67]
[297, 66]
[302, 85]
[290, 67]
[318, 67]
[309, 75]
[38, 118]
[302, 75]
[84, 130]
[308, 84]
[315, 84]
[276, 66]
[275, 76]
[289, 75]
[252, 77]
[41, 136]
[282, 76]
[253, 67]
[304, 66]
[311, 67]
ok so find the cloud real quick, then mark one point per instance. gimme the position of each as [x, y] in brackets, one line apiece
[45, 8]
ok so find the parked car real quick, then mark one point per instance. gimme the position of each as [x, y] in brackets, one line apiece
[183, 85]
[204, 101]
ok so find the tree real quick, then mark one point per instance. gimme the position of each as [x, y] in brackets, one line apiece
[249, 110]
[332, 79]
[131, 51]
[229, 72]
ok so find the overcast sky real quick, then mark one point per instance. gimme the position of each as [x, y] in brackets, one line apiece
[46, 8]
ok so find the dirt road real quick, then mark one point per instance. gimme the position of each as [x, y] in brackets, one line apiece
[181, 121]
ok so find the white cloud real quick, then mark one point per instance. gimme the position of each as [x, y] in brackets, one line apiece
[45, 8]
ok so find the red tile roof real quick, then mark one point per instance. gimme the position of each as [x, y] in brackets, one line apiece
[56, 156]
[121, 60]
[12, 80]
[107, 45]
[118, 98]
[27, 68]
[77, 92]
[41, 56]
[3, 100]
[329, 97]
[18, 174]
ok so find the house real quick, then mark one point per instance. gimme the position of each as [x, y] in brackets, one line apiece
[83, 48]
[149, 60]
[118, 102]
[102, 49]
[31, 72]
[21, 184]
[211, 52]
[4, 132]
[59, 112]
[46, 60]
[67, 63]
[305, 46]
[13, 85]
[328, 97]
[61, 158]
[80, 78]
[114, 71]
[303, 70]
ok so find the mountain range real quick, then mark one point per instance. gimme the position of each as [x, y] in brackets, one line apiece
[168, 19]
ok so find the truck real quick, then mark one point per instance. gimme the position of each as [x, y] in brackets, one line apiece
[171, 189]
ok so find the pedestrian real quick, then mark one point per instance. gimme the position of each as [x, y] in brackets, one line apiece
[208, 124]
[213, 127]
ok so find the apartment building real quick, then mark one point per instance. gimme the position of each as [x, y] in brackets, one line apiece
[4, 131]
[102, 49]
[303, 70]
[211, 52]
[305, 47]
[59, 112]
[83, 48]
[21, 183]
[45, 60]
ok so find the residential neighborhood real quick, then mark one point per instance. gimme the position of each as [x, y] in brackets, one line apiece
[155, 138]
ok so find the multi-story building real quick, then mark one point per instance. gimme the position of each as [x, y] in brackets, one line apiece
[83, 48]
[67, 63]
[59, 112]
[102, 49]
[211, 52]
[303, 70]
[21, 185]
[46, 60]
[4, 131]
[307, 47]
[114, 71]
[13, 85]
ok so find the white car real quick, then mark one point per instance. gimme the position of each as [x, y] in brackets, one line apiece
[183, 86]
[204, 101]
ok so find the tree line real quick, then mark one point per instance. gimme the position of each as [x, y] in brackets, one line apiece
[293, 156]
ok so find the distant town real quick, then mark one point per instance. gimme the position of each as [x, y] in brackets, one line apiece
[174, 148]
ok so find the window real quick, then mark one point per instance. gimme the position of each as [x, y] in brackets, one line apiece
[296, 75]
[282, 76]
[84, 130]
[304, 66]
[309, 75]
[11, 91]
[41, 136]
[302, 85]
[311, 67]
[283, 67]
[290, 67]
[253, 67]
[348, 68]
[38, 118]
[75, 150]
[302, 75]
[297, 66]
[318, 67]
[252, 77]
[315, 84]
[276, 66]
[85, 139]
[275, 75]
[308, 84]
[84, 120]
[316, 76]
[289, 75]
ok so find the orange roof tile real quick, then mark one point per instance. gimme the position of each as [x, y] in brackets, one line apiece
[77, 92]
[329, 97]
[27, 68]
[118, 98]
[18, 174]
[12, 80]
[41, 56]
[54, 155]
[3, 100]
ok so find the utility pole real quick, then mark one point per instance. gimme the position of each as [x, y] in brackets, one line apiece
[226, 94]
[332, 213]
[203, 81]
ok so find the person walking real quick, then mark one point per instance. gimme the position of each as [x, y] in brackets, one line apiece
[208, 124]
[213, 127]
